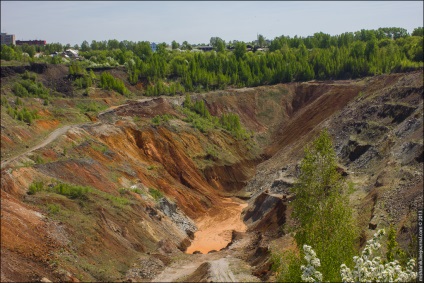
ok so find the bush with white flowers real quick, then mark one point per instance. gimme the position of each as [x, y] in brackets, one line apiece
[309, 273]
[368, 268]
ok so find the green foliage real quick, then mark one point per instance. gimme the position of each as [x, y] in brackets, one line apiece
[156, 194]
[161, 88]
[29, 76]
[321, 56]
[199, 116]
[22, 114]
[201, 123]
[124, 191]
[30, 88]
[8, 53]
[240, 50]
[107, 81]
[231, 122]
[38, 159]
[4, 101]
[35, 187]
[322, 208]
[100, 148]
[53, 208]
[86, 106]
[286, 265]
[174, 44]
[394, 252]
[84, 82]
[160, 119]
[419, 31]
[71, 191]
[76, 69]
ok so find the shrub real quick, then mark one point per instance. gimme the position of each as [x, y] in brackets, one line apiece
[29, 76]
[35, 187]
[22, 114]
[4, 101]
[108, 82]
[30, 88]
[90, 106]
[160, 119]
[287, 266]
[71, 191]
[53, 208]
[368, 267]
[156, 194]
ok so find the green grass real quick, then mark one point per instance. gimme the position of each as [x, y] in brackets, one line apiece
[156, 194]
[86, 106]
[161, 119]
[100, 148]
[69, 190]
[53, 208]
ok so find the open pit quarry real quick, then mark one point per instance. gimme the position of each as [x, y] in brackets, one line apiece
[167, 202]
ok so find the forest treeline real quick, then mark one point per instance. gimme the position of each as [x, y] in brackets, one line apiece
[286, 59]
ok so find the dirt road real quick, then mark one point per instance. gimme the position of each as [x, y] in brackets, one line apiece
[53, 135]
[223, 266]
[60, 131]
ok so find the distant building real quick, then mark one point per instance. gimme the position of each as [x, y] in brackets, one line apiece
[71, 53]
[205, 48]
[7, 39]
[153, 46]
[31, 42]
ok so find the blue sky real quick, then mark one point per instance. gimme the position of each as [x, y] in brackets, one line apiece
[197, 21]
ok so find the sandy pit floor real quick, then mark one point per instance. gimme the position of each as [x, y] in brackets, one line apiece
[215, 228]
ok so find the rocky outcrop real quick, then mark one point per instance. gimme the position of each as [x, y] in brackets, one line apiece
[267, 213]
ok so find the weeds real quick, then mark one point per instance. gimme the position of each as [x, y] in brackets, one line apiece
[160, 119]
[156, 194]
[68, 190]
[53, 208]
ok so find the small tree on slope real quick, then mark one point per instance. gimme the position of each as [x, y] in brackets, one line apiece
[322, 208]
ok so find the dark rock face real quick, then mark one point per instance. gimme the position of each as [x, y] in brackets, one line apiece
[7, 71]
[356, 149]
[266, 214]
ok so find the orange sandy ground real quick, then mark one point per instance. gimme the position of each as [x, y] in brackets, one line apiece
[215, 228]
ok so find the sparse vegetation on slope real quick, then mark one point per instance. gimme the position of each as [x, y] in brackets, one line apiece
[118, 195]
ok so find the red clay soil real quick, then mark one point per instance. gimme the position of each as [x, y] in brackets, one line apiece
[25, 242]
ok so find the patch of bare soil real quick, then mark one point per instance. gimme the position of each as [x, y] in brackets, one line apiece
[216, 226]
[231, 264]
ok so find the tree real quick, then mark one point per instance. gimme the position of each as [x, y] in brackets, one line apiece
[217, 43]
[143, 50]
[112, 44]
[322, 208]
[161, 48]
[175, 45]
[30, 49]
[261, 40]
[419, 31]
[240, 50]
[186, 46]
[7, 53]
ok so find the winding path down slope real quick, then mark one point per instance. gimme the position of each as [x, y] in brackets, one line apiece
[58, 132]
[53, 135]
